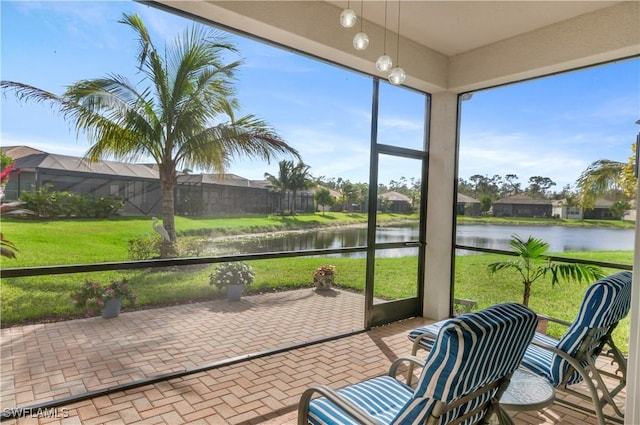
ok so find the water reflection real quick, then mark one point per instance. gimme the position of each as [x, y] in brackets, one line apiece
[560, 239]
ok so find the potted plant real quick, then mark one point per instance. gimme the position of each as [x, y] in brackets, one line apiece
[531, 263]
[233, 277]
[94, 297]
[324, 277]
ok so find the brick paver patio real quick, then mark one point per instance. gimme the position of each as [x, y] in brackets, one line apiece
[57, 360]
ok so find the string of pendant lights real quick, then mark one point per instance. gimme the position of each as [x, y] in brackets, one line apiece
[384, 63]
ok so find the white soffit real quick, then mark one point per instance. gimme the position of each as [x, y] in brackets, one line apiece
[445, 45]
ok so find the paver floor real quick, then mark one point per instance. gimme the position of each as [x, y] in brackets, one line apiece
[56, 360]
[53, 360]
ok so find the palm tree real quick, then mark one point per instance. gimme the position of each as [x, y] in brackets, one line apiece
[605, 175]
[281, 182]
[184, 117]
[300, 179]
[532, 263]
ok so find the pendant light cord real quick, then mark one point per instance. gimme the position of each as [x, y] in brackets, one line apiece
[398, 40]
[385, 27]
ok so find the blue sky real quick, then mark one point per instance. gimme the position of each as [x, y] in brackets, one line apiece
[552, 127]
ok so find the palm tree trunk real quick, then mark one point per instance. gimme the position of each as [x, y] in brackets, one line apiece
[167, 184]
[293, 207]
[527, 292]
[281, 203]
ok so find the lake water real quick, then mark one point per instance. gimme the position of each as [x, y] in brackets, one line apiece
[560, 239]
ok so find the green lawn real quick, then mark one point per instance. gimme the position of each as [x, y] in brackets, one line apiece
[546, 222]
[41, 298]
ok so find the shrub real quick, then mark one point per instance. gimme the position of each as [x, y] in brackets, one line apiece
[92, 296]
[234, 273]
[144, 247]
[51, 204]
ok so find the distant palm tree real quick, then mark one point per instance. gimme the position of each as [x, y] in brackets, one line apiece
[281, 182]
[183, 118]
[300, 179]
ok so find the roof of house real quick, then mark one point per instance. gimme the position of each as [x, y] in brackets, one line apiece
[16, 152]
[522, 200]
[224, 179]
[333, 192]
[603, 203]
[467, 199]
[28, 158]
[395, 196]
[599, 203]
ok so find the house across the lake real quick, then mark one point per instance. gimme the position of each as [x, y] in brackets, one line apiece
[521, 205]
[561, 210]
[466, 205]
[398, 203]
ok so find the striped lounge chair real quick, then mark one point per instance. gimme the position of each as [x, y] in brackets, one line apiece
[572, 359]
[462, 379]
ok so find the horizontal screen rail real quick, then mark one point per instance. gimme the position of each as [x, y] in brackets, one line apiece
[551, 257]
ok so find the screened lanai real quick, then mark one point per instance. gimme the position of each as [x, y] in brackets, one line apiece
[449, 49]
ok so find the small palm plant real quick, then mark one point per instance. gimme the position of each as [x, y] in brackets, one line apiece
[532, 263]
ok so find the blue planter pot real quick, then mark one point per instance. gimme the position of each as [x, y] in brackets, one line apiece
[112, 308]
[234, 292]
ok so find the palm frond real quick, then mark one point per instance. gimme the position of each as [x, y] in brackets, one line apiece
[574, 272]
[601, 176]
[532, 248]
[7, 248]
[502, 265]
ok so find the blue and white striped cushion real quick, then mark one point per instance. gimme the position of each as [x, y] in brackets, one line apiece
[469, 352]
[434, 328]
[381, 397]
[605, 303]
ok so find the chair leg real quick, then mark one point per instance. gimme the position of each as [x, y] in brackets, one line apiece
[607, 397]
[590, 374]
[496, 415]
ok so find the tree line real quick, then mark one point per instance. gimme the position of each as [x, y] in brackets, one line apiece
[295, 177]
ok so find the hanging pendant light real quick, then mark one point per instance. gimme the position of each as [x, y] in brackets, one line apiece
[348, 17]
[361, 40]
[384, 62]
[397, 74]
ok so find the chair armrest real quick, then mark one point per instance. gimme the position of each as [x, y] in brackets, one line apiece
[554, 320]
[416, 343]
[572, 361]
[346, 405]
[412, 360]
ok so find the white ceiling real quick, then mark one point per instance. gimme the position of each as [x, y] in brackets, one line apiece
[444, 45]
[453, 27]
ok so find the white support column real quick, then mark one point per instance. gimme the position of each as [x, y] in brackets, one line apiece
[442, 180]
[632, 411]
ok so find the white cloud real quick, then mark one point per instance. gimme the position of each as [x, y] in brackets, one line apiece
[62, 147]
[562, 160]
